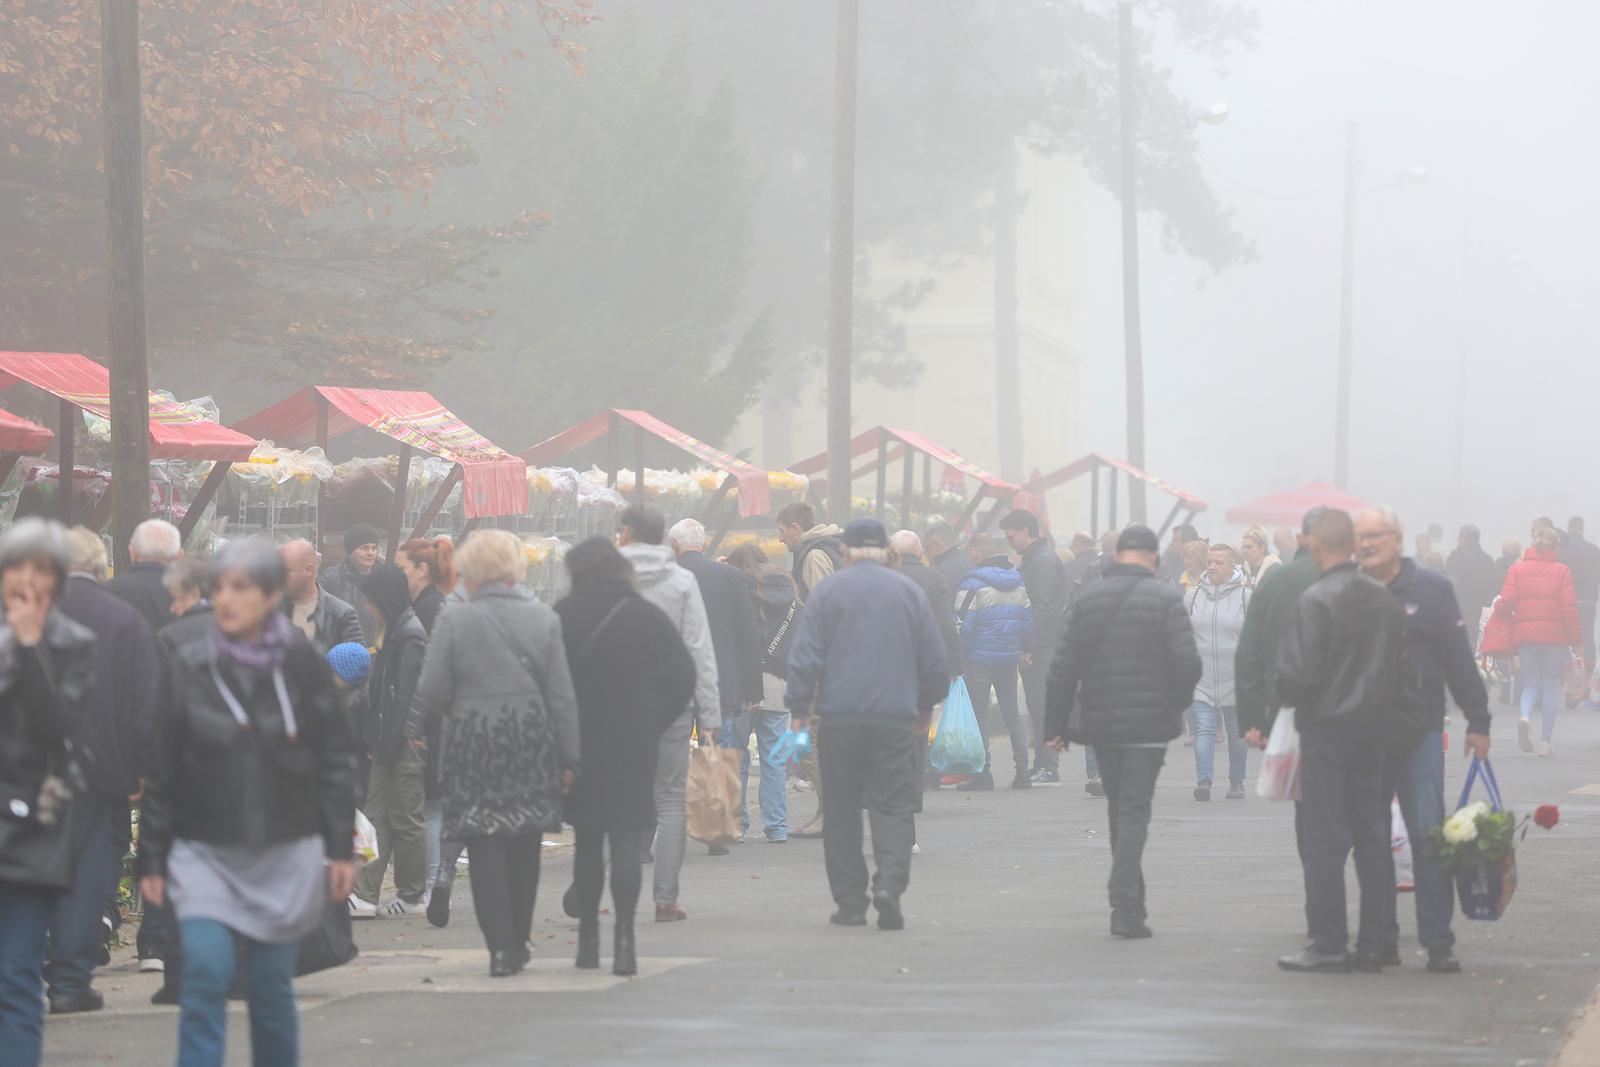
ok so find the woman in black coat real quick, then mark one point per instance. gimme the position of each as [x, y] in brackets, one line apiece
[633, 677]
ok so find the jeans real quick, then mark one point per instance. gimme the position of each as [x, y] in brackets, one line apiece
[1205, 743]
[1034, 676]
[1091, 763]
[672, 829]
[442, 854]
[1540, 681]
[768, 726]
[505, 879]
[589, 871]
[1342, 808]
[209, 953]
[1003, 680]
[1129, 774]
[394, 804]
[868, 762]
[77, 929]
[1417, 779]
[24, 924]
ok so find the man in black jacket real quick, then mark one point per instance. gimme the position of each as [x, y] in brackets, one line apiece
[155, 545]
[1126, 668]
[736, 641]
[343, 581]
[941, 597]
[1044, 576]
[1337, 665]
[1583, 559]
[1477, 579]
[1435, 652]
[945, 554]
[320, 615]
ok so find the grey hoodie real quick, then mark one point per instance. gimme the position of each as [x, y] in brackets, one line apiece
[675, 591]
[1217, 615]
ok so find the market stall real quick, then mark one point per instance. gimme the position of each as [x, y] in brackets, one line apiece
[1110, 471]
[1289, 508]
[493, 482]
[887, 445]
[178, 431]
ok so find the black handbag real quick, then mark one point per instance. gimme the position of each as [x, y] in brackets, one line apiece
[42, 830]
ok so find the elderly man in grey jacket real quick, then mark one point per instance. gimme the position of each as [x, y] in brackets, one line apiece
[1217, 606]
[641, 529]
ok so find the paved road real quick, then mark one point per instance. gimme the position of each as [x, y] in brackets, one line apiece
[1006, 956]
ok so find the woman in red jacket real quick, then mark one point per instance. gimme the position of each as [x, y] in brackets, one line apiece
[1539, 598]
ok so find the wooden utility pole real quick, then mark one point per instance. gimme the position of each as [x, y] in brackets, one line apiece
[1132, 332]
[1347, 260]
[841, 266]
[124, 164]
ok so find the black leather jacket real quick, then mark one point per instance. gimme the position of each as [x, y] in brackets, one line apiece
[1339, 658]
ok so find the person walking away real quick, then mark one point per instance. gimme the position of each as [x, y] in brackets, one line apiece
[633, 676]
[992, 609]
[641, 528]
[430, 571]
[1338, 666]
[111, 736]
[1435, 652]
[1510, 554]
[1217, 609]
[1044, 576]
[395, 744]
[1583, 559]
[249, 812]
[816, 549]
[344, 581]
[1539, 598]
[945, 553]
[47, 665]
[778, 610]
[1477, 581]
[1085, 562]
[1174, 561]
[155, 545]
[907, 547]
[496, 676]
[1126, 669]
[869, 664]
[1258, 558]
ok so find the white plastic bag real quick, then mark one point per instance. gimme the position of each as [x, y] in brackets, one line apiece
[366, 840]
[1280, 765]
[1400, 842]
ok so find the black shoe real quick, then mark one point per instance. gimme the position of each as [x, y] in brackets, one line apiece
[1046, 776]
[890, 917]
[1311, 960]
[73, 1003]
[1094, 787]
[589, 943]
[166, 995]
[1443, 961]
[569, 902]
[1129, 927]
[1202, 791]
[439, 905]
[1235, 791]
[524, 956]
[717, 850]
[1022, 781]
[503, 963]
[1389, 956]
[1366, 962]
[847, 918]
[625, 962]
[933, 780]
[983, 783]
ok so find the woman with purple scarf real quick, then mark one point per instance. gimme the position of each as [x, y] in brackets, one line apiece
[249, 808]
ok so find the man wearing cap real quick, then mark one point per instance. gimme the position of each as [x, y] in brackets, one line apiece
[1125, 671]
[344, 581]
[867, 660]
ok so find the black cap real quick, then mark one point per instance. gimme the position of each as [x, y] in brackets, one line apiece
[865, 533]
[1138, 538]
[361, 534]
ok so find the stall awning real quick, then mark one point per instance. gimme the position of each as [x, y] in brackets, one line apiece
[494, 482]
[19, 435]
[1043, 483]
[177, 431]
[869, 440]
[754, 489]
[1288, 509]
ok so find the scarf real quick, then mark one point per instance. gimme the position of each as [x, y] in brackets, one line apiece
[263, 655]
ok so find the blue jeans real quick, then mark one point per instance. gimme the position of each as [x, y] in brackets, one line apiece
[1091, 764]
[1540, 679]
[209, 951]
[77, 929]
[1205, 743]
[768, 726]
[1416, 778]
[24, 920]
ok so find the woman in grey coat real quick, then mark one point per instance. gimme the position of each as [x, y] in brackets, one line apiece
[496, 672]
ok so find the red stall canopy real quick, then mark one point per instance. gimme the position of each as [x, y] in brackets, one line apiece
[1287, 509]
[752, 482]
[19, 436]
[1093, 465]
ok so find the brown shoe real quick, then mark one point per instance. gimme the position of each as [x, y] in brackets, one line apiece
[670, 913]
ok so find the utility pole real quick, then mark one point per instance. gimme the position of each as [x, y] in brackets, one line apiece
[124, 165]
[841, 267]
[1007, 360]
[1341, 426]
[1132, 341]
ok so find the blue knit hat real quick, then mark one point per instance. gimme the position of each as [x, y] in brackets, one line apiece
[351, 662]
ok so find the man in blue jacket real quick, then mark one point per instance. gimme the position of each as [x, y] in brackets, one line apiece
[995, 619]
[868, 661]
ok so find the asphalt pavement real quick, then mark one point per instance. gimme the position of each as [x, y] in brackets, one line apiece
[1006, 955]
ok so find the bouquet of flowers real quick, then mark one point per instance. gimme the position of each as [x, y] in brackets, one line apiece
[1478, 846]
[1476, 834]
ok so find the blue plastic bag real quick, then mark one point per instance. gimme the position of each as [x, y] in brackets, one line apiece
[958, 746]
[791, 747]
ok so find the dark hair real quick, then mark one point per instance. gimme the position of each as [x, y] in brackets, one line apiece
[940, 531]
[748, 557]
[797, 514]
[1137, 537]
[645, 522]
[187, 575]
[1471, 533]
[1335, 530]
[1311, 519]
[1021, 519]
[597, 560]
[1187, 530]
[1575, 525]
[258, 558]
[385, 585]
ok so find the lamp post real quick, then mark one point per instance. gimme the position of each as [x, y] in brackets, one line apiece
[841, 269]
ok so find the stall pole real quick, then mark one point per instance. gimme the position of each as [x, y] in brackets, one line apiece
[1171, 517]
[1094, 502]
[613, 446]
[972, 506]
[713, 510]
[202, 498]
[397, 508]
[908, 477]
[883, 476]
[927, 484]
[638, 463]
[1113, 500]
[436, 505]
[68, 461]
[321, 404]
[102, 511]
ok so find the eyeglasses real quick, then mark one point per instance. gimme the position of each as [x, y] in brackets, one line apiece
[1370, 538]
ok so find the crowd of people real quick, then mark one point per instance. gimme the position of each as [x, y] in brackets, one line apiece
[461, 716]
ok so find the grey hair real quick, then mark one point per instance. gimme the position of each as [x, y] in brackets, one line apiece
[867, 555]
[1388, 515]
[941, 531]
[688, 533]
[156, 541]
[187, 576]
[35, 538]
[86, 553]
[907, 543]
[258, 558]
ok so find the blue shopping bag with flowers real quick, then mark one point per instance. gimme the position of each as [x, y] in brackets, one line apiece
[1477, 845]
[958, 745]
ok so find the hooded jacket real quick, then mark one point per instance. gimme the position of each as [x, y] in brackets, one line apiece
[675, 591]
[1217, 613]
[819, 554]
[992, 608]
[394, 719]
[1339, 659]
[1540, 600]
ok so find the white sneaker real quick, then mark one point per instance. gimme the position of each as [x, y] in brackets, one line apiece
[361, 909]
[394, 908]
[152, 965]
[1545, 749]
[916, 850]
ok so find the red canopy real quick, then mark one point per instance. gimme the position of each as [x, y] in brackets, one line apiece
[1288, 509]
[17, 434]
[754, 488]
[177, 431]
[869, 440]
[494, 482]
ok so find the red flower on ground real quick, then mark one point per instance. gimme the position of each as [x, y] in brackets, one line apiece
[1547, 815]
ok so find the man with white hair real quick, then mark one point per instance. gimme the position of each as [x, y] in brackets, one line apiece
[908, 546]
[155, 545]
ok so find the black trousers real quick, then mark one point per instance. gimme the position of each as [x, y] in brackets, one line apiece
[868, 763]
[1034, 676]
[589, 870]
[1129, 775]
[505, 877]
[1343, 809]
